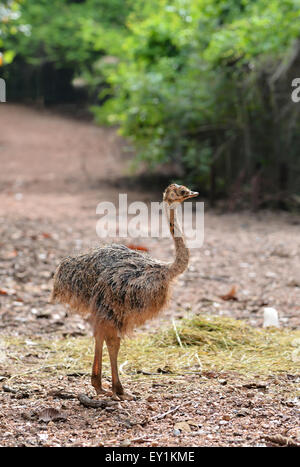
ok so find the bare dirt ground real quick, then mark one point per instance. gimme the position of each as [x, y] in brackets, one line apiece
[54, 171]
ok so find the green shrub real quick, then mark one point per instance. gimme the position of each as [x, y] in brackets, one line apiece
[193, 86]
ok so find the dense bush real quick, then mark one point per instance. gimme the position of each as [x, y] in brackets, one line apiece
[9, 27]
[69, 33]
[60, 40]
[199, 84]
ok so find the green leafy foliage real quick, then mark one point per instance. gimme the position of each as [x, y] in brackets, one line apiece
[192, 86]
[9, 27]
[60, 40]
[70, 33]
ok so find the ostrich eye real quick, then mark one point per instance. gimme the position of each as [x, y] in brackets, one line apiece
[182, 192]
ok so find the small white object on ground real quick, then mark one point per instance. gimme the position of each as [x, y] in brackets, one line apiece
[270, 317]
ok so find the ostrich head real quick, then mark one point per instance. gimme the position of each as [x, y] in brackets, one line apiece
[177, 194]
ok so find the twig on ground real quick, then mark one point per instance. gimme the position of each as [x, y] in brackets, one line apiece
[95, 404]
[163, 415]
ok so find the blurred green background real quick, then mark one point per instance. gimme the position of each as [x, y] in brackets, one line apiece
[202, 87]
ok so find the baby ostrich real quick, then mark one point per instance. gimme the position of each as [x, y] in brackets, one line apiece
[121, 288]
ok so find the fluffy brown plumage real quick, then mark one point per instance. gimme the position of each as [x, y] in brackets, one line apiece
[113, 283]
[120, 288]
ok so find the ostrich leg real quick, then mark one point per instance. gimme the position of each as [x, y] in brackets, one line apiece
[97, 365]
[113, 345]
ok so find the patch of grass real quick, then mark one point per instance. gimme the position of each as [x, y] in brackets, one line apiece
[230, 344]
[210, 333]
[192, 345]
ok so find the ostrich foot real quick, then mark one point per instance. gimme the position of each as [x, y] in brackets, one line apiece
[123, 397]
[103, 392]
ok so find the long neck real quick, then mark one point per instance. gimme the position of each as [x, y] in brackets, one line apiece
[182, 253]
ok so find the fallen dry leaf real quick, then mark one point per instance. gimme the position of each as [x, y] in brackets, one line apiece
[50, 414]
[226, 417]
[150, 399]
[231, 295]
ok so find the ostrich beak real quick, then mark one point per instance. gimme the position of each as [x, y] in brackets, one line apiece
[193, 194]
